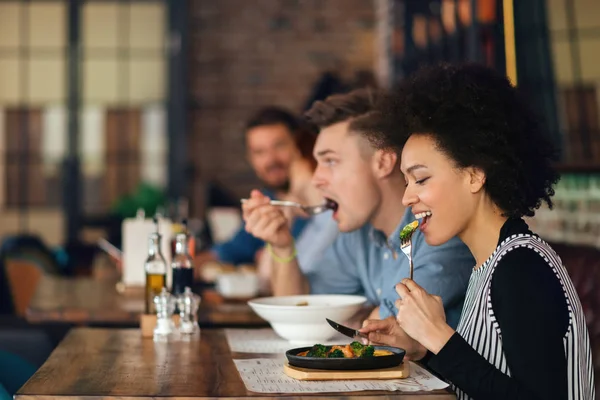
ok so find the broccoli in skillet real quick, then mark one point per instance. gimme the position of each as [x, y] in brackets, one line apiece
[368, 351]
[360, 350]
[357, 348]
[337, 353]
[318, 350]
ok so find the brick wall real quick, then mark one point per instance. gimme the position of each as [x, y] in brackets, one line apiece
[250, 53]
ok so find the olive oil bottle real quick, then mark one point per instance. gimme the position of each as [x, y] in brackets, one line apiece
[156, 271]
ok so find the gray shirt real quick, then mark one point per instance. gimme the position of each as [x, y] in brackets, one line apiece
[362, 262]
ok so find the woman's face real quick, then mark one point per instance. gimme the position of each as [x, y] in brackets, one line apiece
[437, 190]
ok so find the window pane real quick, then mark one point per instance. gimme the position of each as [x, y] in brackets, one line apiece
[154, 146]
[92, 147]
[586, 13]
[92, 140]
[100, 24]
[147, 26]
[557, 20]
[10, 78]
[123, 75]
[47, 24]
[9, 24]
[54, 139]
[100, 81]
[46, 80]
[590, 59]
[146, 80]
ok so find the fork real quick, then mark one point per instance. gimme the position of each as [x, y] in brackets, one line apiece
[406, 243]
[310, 210]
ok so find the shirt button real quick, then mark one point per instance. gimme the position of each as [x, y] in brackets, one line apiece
[378, 292]
[386, 256]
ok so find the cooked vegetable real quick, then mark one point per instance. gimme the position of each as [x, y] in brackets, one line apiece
[352, 350]
[337, 353]
[408, 230]
[368, 351]
[318, 350]
[357, 348]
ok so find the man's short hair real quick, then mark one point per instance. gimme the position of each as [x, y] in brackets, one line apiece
[358, 107]
[273, 115]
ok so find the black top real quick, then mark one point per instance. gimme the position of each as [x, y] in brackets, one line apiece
[531, 310]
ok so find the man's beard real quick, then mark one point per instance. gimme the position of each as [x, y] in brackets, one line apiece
[283, 187]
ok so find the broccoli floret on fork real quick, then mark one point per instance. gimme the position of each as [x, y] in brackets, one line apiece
[408, 230]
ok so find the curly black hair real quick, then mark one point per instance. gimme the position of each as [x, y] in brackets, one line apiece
[478, 119]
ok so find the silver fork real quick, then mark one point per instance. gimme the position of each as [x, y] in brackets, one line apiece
[310, 210]
[406, 247]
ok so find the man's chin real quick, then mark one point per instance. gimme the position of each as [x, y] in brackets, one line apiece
[279, 187]
[345, 227]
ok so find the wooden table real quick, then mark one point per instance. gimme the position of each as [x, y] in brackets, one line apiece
[119, 364]
[88, 301]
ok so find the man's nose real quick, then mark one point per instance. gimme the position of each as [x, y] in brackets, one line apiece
[318, 178]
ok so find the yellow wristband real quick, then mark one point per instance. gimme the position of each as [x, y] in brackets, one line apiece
[279, 259]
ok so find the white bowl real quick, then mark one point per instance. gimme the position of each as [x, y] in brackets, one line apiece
[237, 285]
[306, 324]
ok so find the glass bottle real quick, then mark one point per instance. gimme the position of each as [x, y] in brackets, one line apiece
[156, 272]
[191, 240]
[182, 266]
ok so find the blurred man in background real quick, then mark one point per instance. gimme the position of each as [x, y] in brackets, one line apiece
[271, 148]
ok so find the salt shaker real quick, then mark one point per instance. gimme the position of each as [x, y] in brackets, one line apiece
[188, 304]
[164, 304]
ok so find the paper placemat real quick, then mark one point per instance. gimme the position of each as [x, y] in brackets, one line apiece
[266, 341]
[263, 375]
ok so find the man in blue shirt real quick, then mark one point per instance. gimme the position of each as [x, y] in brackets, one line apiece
[271, 148]
[358, 171]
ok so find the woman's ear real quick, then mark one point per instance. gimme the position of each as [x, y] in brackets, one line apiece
[476, 179]
[385, 162]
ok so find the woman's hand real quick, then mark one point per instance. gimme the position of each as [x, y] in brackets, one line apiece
[387, 332]
[421, 315]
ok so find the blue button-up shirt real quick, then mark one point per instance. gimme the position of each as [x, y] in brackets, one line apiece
[363, 262]
[242, 247]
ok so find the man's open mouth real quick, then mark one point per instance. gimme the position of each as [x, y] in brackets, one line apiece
[332, 204]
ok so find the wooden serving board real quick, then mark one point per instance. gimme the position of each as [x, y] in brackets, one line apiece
[306, 374]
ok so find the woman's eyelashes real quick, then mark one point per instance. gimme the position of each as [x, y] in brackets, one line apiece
[418, 181]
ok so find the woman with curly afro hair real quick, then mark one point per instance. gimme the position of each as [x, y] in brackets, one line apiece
[476, 161]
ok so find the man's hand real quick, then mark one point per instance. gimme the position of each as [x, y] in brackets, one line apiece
[267, 222]
[387, 332]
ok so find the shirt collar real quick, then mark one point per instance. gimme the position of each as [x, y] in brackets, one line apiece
[393, 241]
